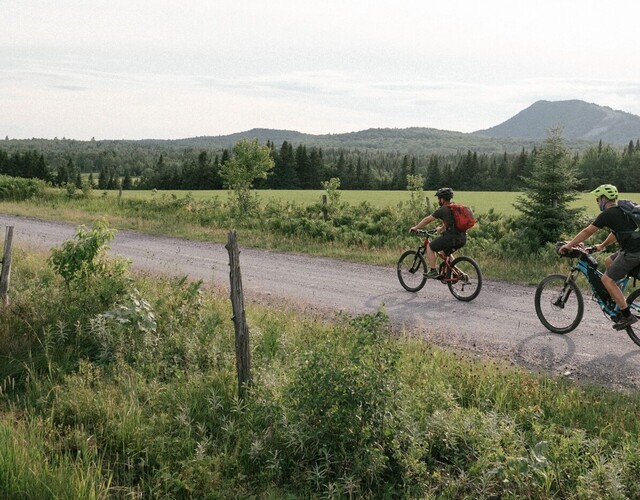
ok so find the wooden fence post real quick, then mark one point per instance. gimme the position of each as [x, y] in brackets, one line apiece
[243, 354]
[5, 275]
[324, 207]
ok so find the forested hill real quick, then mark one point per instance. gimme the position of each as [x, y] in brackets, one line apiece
[412, 141]
[583, 125]
[579, 120]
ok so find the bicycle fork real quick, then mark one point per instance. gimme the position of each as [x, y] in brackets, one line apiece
[564, 293]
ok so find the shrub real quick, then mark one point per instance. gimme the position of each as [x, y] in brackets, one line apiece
[334, 425]
[19, 189]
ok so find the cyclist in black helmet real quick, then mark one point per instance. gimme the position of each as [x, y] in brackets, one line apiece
[620, 263]
[450, 239]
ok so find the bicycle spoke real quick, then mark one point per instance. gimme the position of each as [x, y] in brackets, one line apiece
[634, 304]
[559, 304]
[411, 269]
[464, 279]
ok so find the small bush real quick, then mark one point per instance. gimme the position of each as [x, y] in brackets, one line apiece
[335, 413]
[19, 189]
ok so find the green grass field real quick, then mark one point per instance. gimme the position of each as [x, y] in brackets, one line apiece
[480, 201]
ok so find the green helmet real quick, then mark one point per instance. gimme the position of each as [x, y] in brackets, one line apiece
[607, 190]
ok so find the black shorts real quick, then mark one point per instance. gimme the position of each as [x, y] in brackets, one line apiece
[623, 262]
[448, 241]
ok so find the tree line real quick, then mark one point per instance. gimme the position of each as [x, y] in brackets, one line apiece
[303, 167]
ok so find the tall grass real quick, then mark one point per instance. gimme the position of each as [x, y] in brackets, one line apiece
[134, 396]
[32, 467]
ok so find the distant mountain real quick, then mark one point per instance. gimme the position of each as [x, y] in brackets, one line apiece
[413, 141]
[583, 124]
[579, 120]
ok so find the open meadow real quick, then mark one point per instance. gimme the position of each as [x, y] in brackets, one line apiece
[480, 201]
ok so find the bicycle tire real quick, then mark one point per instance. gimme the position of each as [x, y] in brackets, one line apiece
[411, 270]
[634, 302]
[559, 318]
[469, 286]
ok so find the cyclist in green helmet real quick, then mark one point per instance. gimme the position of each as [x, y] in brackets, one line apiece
[623, 230]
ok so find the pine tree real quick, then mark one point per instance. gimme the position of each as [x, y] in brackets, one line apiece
[216, 179]
[62, 176]
[127, 182]
[103, 178]
[41, 170]
[303, 167]
[549, 191]
[433, 173]
[316, 168]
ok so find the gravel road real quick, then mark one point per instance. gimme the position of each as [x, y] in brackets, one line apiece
[500, 323]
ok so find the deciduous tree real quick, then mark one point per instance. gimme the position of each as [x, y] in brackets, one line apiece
[250, 162]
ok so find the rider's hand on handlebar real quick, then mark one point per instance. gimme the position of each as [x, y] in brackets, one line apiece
[580, 246]
[564, 248]
[413, 229]
[567, 248]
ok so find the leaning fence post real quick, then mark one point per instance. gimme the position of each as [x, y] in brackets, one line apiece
[243, 355]
[5, 275]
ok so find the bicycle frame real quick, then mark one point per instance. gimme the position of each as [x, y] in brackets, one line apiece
[609, 308]
[448, 273]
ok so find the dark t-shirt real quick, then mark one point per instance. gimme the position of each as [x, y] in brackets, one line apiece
[451, 237]
[622, 227]
[445, 214]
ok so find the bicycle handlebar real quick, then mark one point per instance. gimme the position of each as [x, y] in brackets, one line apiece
[424, 232]
[575, 251]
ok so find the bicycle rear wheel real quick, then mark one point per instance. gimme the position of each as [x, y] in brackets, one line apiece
[634, 303]
[411, 269]
[465, 281]
[559, 303]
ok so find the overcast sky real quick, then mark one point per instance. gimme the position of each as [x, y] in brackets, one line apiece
[130, 69]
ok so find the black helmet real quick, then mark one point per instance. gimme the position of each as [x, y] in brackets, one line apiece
[446, 193]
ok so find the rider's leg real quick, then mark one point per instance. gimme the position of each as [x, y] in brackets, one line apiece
[431, 263]
[431, 257]
[614, 290]
[621, 265]
[435, 248]
[608, 261]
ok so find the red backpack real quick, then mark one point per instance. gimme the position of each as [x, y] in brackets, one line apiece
[463, 218]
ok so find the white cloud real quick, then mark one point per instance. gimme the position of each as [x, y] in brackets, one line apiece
[133, 69]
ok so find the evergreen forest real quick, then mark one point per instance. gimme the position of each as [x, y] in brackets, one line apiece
[149, 165]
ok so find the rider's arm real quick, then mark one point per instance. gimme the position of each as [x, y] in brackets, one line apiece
[579, 238]
[427, 220]
[610, 239]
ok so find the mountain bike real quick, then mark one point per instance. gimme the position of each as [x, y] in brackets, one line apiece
[461, 274]
[559, 302]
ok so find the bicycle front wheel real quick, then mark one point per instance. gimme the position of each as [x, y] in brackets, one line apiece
[634, 304]
[465, 280]
[559, 303]
[411, 269]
